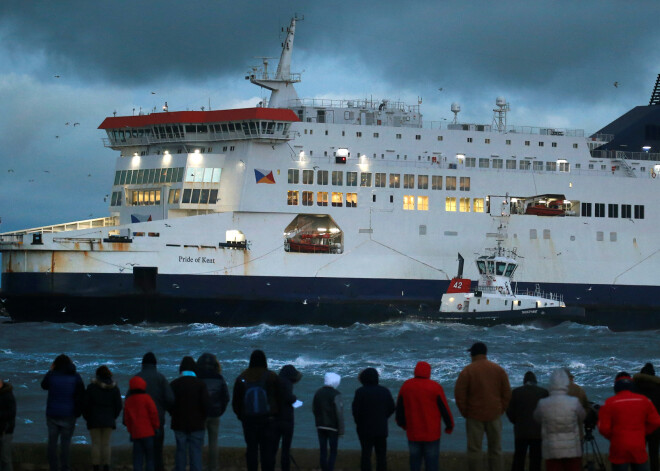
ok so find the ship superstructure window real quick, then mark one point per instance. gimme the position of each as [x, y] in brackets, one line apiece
[439, 138]
[498, 163]
[486, 141]
[144, 197]
[554, 144]
[450, 183]
[470, 162]
[524, 165]
[586, 209]
[365, 179]
[322, 198]
[199, 196]
[478, 205]
[408, 202]
[203, 175]
[322, 177]
[540, 143]
[292, 198]
[337, 177]
[116, 198]
[510, 164]
[351, 179]
[175, 194]
[436, 182]
[639, 211]
[484, 163]
[423, 182]
[465, 183]
[351, 200]
[564, 166]
[294, 176]
[551, 166]
[450, 204]
[381, 180]
[157, 175]
[408, 180]
[337, 199]
[395, 180]
[422, 203]
[599, 210]
[469, 139]
[508, 142]
[626, 211]
[612, 210]
[398, 136]
[527, 143]
[464, 205]
[307, 198]
[538, 166]
[308, 177]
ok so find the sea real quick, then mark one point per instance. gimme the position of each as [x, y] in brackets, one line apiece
[593, 354]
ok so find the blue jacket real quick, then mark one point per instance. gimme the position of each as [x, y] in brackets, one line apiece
[66, 393]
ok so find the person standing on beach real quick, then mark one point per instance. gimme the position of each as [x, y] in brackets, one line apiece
[625, 419]
[648, 384]
[289, 376]
[560, 416]
[141, 420]
[191, 406]
[101, 408]
[208, 370]
[66, 392]
[161, 393]
[420, 409]
[372, 407]
[255, 401]
[7, 422]
[526, 431]
[482, 394]
[328, 411]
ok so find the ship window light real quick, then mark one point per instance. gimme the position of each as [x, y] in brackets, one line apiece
[195, 158]
[423, 182]
[450, 204]
[450, 183]
[423, 203]
[408, 202]
[351, 200]
[395, 180]
[307, 198]
[464, 206]
[135, 161]
[337, 199]
[322, 198]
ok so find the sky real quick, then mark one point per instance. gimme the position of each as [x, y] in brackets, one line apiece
[66, 62]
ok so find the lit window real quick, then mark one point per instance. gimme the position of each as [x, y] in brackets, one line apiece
[380, 180]
[365, 179]
[292, 198]
[322, 198]
[351, 200]
[307, 198]
[464, 205]
[478, 205]
[337, 199]
[451, 183]
[395, 181]
[408, 202]
[423, 203]
[450, 204]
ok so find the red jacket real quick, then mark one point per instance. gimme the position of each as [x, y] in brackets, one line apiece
[140, 413]
[421, 406]
[625, 419]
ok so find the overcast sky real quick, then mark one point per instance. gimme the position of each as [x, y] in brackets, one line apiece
[61, 62]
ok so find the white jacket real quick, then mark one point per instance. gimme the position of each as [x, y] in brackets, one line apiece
[560, 416]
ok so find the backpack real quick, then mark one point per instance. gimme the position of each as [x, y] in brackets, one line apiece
[255, 399]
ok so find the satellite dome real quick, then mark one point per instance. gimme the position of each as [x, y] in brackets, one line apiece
[455, 107]
[500, 101]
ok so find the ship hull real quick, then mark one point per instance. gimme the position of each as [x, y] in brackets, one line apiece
[238, 301]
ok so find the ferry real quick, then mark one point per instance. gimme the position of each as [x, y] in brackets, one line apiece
[342, 211]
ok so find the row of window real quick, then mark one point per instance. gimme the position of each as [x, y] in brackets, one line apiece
[149, 175]
[180, 131]
[378, 180]
[153, 197]
[628, 211]
[512, 164]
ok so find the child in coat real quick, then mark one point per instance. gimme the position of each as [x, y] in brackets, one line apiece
[141, 420]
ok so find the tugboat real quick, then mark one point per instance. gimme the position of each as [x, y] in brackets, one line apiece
[495, 301]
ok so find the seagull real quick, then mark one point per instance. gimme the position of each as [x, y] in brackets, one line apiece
[11, 170]
[616, 84]
[305, 301]
[88, 275]
[56, 76]
[167, 225]
[63, 309]
[153, 93]
[57, 137]
[124, 319]
[66, 124]
[89, 174]
[174, 285]
[31, 180]
[46, 171]
[589, 288]
[439, 89]
[76, 124]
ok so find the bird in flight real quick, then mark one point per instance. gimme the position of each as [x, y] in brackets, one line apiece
[56, 76]
[616, 84]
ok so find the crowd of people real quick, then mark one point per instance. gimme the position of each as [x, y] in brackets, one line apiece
[550, 424]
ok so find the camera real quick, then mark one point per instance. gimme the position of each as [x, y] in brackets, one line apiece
[591, 419]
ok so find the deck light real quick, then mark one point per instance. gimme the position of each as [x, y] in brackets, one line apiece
[135, 162]
[646, 148]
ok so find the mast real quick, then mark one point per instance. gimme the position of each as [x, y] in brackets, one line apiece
[281, 85]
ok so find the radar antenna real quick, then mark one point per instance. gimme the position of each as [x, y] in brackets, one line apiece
[499, 116]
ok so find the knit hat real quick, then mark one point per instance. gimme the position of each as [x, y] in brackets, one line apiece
[187, 364]
[103, 372]
[648, 369]
[149, 359]
[622, 382]
[529, 378]
[478, 348]
[332, 380]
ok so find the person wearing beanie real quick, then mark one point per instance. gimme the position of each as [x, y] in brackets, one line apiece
[648, 384]
[625, 419]
[208, 370]
[102, 406]
[158, 388]
[289, 376]
[328, 410]
[255, 401]
[560, 416]
[7, 422]
[421, 407]
[66, 393]
[189, 411]
[142, 422]
[526, 431]
[482, 394]
[372, 407]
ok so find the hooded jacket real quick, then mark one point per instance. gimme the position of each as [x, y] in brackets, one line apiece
[191, 402]
[523, 402]
[422, 406]
[372, 406]
[288, 376]
[560, 416]
[648, 385]
[482, 390]
[7, 408]
[625, 419]
[256, 371]
[207, 371]
[328, 406]
[102, 404]
[66, 392]
[158, 388]
[140, 412]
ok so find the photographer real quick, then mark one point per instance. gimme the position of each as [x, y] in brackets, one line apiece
[625, 419]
